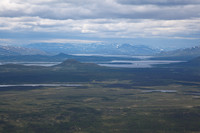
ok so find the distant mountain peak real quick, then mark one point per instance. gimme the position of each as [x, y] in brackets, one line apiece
[76, 65]
[61, 55]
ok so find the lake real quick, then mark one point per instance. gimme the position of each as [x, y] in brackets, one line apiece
[41, 85]
[163, 91]
[136, 64]
[47, 64]
[125, 56]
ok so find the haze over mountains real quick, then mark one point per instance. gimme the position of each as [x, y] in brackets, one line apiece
[52, 49]
[193, 52]
[94, 48]
[16, 50]
[179, 54]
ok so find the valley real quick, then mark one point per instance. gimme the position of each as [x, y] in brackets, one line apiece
[84, 97]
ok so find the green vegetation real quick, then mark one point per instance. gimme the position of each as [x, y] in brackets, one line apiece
[109, 100]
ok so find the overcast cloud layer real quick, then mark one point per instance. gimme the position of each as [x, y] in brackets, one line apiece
[178, 19]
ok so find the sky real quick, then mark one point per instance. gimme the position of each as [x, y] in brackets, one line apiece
[156, 23]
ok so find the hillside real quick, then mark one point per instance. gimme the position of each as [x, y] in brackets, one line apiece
[194, 62]
[71, 64]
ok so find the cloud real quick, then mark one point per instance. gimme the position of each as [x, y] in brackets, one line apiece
[65, 41]
[103, 18]
[98, 9]
[122, 28]
[159, 2]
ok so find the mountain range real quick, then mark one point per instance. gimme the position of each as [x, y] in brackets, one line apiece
[52, 49]
[94, 48]
[192, 52]
[17, 50]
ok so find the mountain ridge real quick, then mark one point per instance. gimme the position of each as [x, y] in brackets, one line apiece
[94, 48]
[192, 52]
[18, 50]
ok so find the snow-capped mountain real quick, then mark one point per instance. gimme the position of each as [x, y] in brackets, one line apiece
[94, 48]
[16, 50]
[193, 52]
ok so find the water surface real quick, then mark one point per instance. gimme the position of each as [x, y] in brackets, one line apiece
[41, 85]
[163, 91]
[136, 64]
